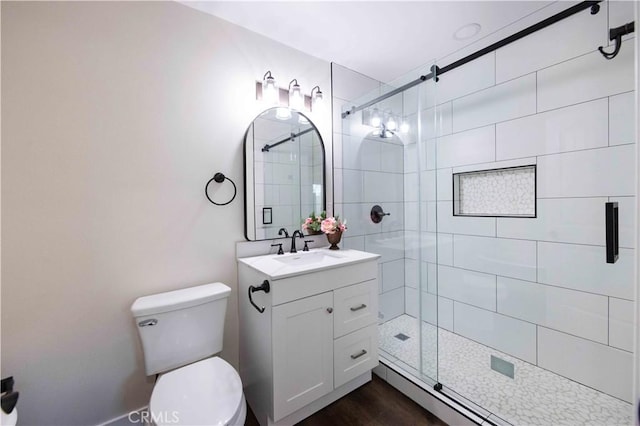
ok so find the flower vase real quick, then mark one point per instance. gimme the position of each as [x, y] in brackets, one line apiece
[334, 239]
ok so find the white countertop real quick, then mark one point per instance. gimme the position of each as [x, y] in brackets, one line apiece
[289, 265]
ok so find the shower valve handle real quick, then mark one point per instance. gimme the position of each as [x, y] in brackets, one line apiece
[377, 214]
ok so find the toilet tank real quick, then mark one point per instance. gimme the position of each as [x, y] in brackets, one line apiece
[182, 326]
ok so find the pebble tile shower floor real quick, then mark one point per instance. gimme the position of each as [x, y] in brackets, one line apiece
[534, 397]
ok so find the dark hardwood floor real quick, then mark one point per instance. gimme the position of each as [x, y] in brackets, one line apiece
[375, 404]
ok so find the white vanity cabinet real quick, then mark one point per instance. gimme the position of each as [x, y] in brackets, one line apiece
[317, 338]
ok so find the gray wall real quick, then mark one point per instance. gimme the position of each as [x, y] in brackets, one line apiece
[115, 114]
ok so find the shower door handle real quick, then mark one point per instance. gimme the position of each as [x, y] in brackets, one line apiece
[612, 234]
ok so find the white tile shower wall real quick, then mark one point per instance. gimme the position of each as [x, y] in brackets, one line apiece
[513, 99]
[563, 107]
[621, 111]
[392, 303]
[557, 221]
[593, 364]
[586, 32]
[574, 312]
[437, 121]
[585, 78]
[392, 275]
[469, 147]
[590, 173]
[447, 222]
[505, 257]
[474, 288]
[621, 324]
[582, 267]
[567, 129]
[445, 313]
[411, 301]
[510, 335]
[372, 172]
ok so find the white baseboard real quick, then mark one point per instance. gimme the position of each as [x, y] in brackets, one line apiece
[133, 417]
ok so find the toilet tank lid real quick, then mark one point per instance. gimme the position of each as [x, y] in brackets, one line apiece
[179, 299]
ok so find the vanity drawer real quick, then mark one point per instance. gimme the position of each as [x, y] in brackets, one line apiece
[355, 307]
[355, 354]
[293, 288]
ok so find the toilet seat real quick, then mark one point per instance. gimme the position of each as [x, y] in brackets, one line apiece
[208, 392]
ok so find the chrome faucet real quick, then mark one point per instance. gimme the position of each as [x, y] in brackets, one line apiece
[293, 240]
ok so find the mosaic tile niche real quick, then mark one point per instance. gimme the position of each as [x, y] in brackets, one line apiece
[498, 192]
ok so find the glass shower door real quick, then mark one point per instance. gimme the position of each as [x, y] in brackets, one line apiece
[381, 166]
[535, 312]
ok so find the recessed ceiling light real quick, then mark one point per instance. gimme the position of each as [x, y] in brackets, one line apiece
[467, 31]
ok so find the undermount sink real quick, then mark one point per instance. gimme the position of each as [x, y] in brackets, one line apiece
[306, 258]
[287, 265]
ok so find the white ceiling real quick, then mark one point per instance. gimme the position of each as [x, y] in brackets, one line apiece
[381, 39]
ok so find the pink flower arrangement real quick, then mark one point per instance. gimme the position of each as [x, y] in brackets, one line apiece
[322, 223]
[313, 223]
[331, 225]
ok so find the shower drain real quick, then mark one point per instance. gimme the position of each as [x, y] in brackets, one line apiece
[401, 336]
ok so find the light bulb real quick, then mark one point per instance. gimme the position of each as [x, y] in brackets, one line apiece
[404, 127]
[270, 92]
[296, 100]
[317, 100]
[283, 113]
[375, 120]
[391, 123]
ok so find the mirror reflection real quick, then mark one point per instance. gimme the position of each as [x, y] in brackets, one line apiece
[284, 172]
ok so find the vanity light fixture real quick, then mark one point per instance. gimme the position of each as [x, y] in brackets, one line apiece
[391, 123]
[270, 92]
[283, 113]
[296, 99]
[375, 120]
[317, 101]
[385, 124]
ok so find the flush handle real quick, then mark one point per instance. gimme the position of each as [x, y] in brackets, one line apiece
[148, 323]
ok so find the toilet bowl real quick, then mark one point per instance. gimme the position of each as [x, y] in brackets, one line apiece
[208, 392]
[180, 332]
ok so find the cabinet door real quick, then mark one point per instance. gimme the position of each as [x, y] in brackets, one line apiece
[302, 353]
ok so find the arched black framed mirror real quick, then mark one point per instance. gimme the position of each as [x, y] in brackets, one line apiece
[284, 172]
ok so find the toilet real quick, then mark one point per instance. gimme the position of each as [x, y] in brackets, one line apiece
[180, 332]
